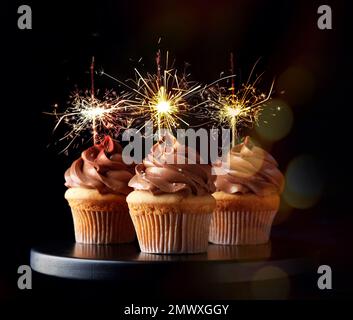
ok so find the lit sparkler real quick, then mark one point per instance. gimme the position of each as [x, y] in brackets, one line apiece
[240, 108]
[161, 97]
[86, 112]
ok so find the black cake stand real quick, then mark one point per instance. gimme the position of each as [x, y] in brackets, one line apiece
[221, 264]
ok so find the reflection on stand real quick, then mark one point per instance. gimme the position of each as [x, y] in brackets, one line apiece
[103, 252]
[241, 253]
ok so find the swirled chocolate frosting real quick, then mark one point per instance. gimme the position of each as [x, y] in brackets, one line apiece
[166, 169]
[251, 170]
[101, 167]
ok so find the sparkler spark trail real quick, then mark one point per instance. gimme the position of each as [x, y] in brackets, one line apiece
[161, 97]
[86, 113]
[241, 108]
[100, 116]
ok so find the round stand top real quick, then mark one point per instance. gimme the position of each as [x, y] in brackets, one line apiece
[220, 264]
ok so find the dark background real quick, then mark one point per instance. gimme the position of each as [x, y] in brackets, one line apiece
[39, 67]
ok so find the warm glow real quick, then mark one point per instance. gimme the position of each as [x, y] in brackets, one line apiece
[94, 112]
[163, 107]
[234, 111]
[88, 113]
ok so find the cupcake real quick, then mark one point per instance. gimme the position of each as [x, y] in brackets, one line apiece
[247, 196]
[98, 185]
[172, 205]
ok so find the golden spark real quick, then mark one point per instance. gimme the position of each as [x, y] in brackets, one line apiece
[87, 113]
[240, 108]
[161, 97]
[101, 116]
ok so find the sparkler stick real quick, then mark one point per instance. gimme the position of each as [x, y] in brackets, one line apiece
[158, 63]
[232, 72]
[94, 125]
[161, 92]
[92, 78]
[233, 120]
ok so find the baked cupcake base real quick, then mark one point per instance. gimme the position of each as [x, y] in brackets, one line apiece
[242, 219]
[100, 218]
[171, 223]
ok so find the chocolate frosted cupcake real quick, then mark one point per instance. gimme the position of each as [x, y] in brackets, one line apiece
[98, 185]
[172, 205]
[247, 197]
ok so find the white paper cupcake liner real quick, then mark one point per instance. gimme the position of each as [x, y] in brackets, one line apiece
[102, 227]
[241, 227]
[172, 232]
